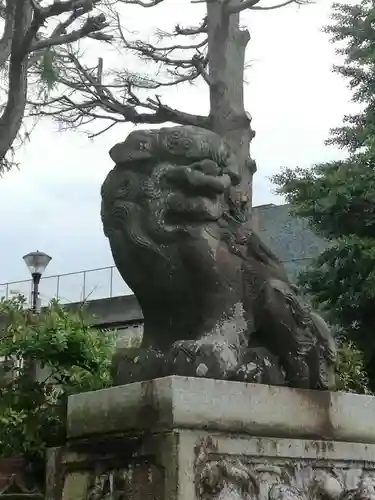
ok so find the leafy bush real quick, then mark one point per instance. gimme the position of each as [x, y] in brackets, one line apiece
[350, 369]
[66, 353]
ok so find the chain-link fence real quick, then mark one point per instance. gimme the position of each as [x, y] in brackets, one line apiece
[91, 284]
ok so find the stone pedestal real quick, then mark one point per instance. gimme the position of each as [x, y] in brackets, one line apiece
[184, 438]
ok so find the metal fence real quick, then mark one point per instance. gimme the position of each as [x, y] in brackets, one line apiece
[91, 284]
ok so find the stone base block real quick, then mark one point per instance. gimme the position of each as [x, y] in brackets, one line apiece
[183, 465]
[199, 403]
[186, 439]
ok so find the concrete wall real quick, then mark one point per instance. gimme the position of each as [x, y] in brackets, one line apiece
[290, 238]
[112, 312]
[121, 313]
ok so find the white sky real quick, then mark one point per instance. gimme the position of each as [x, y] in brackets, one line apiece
[53, 204]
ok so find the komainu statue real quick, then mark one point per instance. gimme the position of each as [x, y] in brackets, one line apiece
[216, 302]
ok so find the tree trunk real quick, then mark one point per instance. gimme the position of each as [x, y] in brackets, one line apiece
[12, 117]
[226, 54]
[6, 40]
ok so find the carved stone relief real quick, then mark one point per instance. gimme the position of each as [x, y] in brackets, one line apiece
[140, 481]
[247, 478]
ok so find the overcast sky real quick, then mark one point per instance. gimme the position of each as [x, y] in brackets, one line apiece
[52, 203]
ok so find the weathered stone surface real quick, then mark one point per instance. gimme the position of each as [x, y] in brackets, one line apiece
[121, 467]
[135, 364]
[19, 479]
[198, 403]
[281, 470]
[209, 289]
[139, 481]
[196, 464]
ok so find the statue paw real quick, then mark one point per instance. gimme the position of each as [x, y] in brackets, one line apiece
[201, 358]
[137, 364]
[258, 365]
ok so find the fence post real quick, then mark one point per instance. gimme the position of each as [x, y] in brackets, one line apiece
[58, 287]
[84, 286]
[111, 282]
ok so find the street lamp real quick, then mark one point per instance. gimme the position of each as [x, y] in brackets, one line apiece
[37, 263]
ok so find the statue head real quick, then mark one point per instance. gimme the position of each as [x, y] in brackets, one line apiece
[166, 209]
[164, 202]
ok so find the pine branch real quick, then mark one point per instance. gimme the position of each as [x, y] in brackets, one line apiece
[97, 96]
[23, 20]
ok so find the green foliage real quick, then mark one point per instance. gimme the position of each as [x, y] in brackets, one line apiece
[338, 198]
[341, 207]
[352, 31]
[70, 356]
[350, 369]
[48, 68]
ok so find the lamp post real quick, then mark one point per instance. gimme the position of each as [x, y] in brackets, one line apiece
[37, 263]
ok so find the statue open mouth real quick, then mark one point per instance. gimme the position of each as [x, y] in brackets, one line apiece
[198, 191]
[192, 210]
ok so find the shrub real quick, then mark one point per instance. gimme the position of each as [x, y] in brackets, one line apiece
[67, 355]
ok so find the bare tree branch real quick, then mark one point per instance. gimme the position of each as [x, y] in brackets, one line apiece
[141, 82]
[21, 35]
[163, 113]
[158, 54]
[95, 96]
[58, 8]
[160, 113]
[201, 65]
[191, 31]
[105, 129]
[184, 69]
[41, 14]
[150, 3]
[92, 25]
[91, 94]
[280, 5]
[57, 32]
[151, 52]
[253, 5]
[170, 48]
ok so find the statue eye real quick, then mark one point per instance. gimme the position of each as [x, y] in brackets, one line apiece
[176, 134]
[186, 143]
